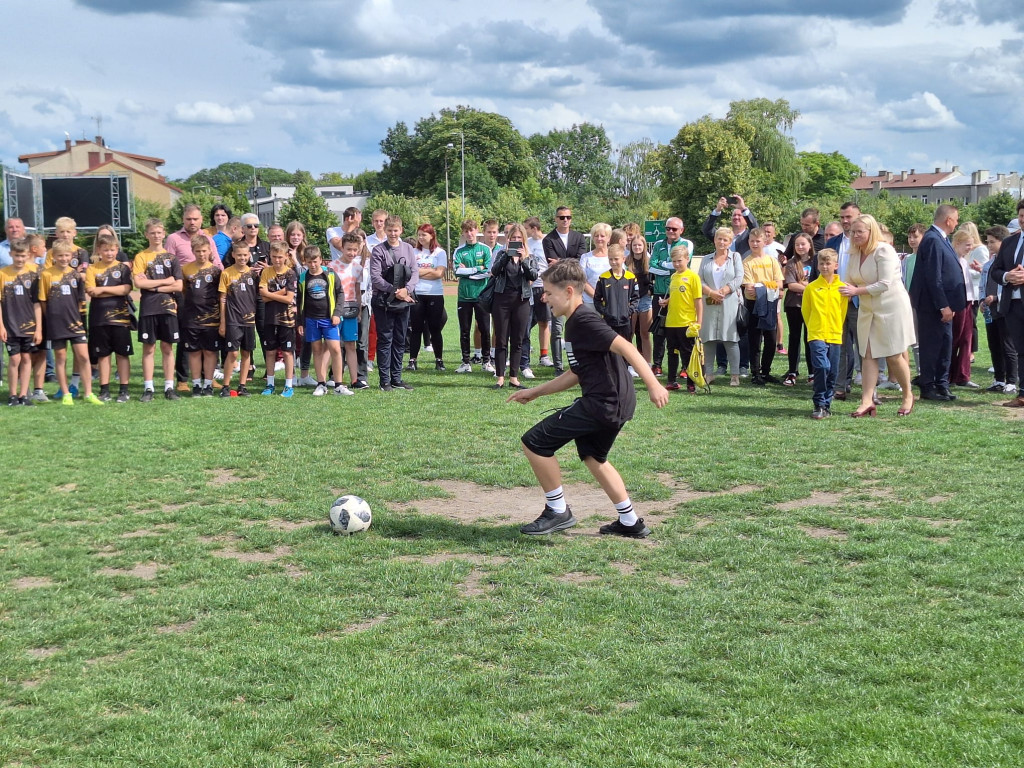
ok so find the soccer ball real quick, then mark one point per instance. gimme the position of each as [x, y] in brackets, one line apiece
[349, 514]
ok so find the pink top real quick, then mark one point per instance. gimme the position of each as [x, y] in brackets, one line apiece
[180, 245]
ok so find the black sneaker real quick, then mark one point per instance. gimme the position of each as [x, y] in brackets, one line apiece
[147, 396]
[476, 360]
[549, 522]
[123, 397]
[818, 414]
[170, 394]
[411, 366]
[243, 392]
[439, 365]
[105, 395]
[771, 379]
[13, 400]
[360, 384]
[757, 381]
[402, 385]
[28, 402]
[635, 531]
[208, 391]
[197, 391]
[386, 388]
[225, 391]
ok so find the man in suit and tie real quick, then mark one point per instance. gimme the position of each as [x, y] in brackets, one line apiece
[1008, 270]
[937, 291]
[741, 221]
[562, 242]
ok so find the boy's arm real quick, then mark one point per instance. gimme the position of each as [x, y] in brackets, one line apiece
[223, 315]
[657, 393]
[37, 337]
[565, 381]
[3, 330]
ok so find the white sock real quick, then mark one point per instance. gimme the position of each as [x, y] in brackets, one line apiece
[75, 379]
[147, 384]
[207, 383]
[288, 383]
[270, 381]
[195, 382]
[626, 514]
[556, 499]
[476, 353]
[168, 384]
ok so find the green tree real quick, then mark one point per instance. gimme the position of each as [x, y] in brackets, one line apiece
[638, 170]
[454, 232]
[333, 178]
[135, 241]
[826, 175]
[412, 210]
[204, 198]
[997, 209]
[367, 181]
[704, 161]
[302, 177]
[765, 125]
[239, 174]
[311, 209]
[576, 162]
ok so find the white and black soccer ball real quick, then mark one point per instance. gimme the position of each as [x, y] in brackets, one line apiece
[350, 514]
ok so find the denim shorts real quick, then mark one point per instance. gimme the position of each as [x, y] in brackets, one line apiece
[645, 304]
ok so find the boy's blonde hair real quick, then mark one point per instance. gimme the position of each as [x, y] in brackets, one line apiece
[616, 249]
[199, 239]
[681, 248]
[828, 256]
[153, 222]
[34, 239]
[278, 247]
[62, 246]
[65, 222]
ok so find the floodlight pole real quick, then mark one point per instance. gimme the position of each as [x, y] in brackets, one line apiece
[447, 214]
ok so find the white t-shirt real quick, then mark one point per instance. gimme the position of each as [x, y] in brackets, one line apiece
[535, 246]
[332, 233]
[427, 259]
[350, 275]
[594, 267]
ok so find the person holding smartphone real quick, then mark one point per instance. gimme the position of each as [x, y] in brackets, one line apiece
[514, 271]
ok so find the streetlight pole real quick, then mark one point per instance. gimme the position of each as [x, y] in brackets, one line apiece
[462, 136]
[447, 214]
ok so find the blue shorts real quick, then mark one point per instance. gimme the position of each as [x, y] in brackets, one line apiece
[350, 329]
[645, 304]
[321, 329]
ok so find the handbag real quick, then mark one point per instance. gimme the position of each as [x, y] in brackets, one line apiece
[742, 317]
[486, 298]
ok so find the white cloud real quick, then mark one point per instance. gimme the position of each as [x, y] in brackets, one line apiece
[921, 112]
[211, 113]
[301, 95]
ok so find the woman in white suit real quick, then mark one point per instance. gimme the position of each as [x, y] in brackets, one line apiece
[721, 274]
[885, 325]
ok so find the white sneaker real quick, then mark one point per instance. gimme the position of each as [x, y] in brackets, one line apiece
[633, 373]
[526, 373]
[320, 390]
[546, 362]
[857, 379]
[890, 385]
[331, 384]
[489, 367]
[341, 389]
[369, 366]
[991, 369]
[279, 365]
[218, 374]
[428, 348]
[464, 368]
[1010, 389]
[40, 397]
[238, 367]
[306, 381]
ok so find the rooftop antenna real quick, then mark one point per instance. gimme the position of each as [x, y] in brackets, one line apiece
[99, 123]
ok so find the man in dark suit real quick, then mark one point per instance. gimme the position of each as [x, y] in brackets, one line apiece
[561, 243]
[810, 225]
[741, 221]
[1007, 270]
[937, 290]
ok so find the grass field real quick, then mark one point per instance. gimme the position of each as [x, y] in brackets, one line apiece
[836, 593]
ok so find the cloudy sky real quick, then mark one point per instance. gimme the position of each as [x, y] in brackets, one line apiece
[314, 84]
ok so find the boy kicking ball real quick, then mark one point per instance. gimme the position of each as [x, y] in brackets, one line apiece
[598, 359]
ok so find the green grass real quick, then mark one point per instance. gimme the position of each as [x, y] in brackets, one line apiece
[881, 628]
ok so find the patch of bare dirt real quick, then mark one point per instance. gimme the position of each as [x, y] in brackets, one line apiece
[867, 520]
[578, 577]
[253, 557]
[31, 582]
[176, 629]
[286, 525]
[28, 685]
[67, 487]
[939, 539]
[363, 626]
[675, 581]
[107, 551]
[107, 659]
[625, 706]
[819, 532]
[154, 530]
[218, 539]
[704, 522]
[219, 477]
[144, 571]
[626, 569]
[939, 523]
[816, 499]
[938, 499]
[44, 652]
[445, 557]
[172, 507]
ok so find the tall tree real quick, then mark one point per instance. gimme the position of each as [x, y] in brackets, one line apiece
[765, 125]
[638, 170]
[826, 175]
[575, 162]
[311, 209]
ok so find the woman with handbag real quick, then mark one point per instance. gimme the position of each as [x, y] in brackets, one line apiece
[514, 271]
[721, 275]
[428, 311]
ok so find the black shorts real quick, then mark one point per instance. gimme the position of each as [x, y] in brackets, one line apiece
[20, 345]
[154, 328]
[593, 438]
[58, 344]
[541, 311]
[201, 339]
[107, 340]
[278, 337]
[241, 337]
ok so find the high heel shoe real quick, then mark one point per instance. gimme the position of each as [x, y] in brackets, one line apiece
[869, 411]
[905, 411]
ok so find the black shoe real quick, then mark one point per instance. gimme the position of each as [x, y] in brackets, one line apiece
[386, 388]
[208, 391]
[549, 522]
[225, 391]
[476, 360]
[105, 396]
[771, 379]
[933, 393]
[147, 396]
[170, 394]
[401, 385]
[818, 413]
[411, 366]
[439, 365]
[123, 396]
[360, 384]
[197, 391]
[29, 403]
[945, 391]
[757, 381]
[635, 531]
[916, 381]
[243, 392]
[13, 400]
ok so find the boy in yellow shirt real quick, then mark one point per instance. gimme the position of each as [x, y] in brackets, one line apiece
[685, 308]
[824, 311]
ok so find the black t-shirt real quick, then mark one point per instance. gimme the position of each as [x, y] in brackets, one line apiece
[608, 393]
[201, 308]
[317, 304]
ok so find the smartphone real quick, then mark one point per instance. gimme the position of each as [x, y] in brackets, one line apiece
[731, 200]
[515, 245]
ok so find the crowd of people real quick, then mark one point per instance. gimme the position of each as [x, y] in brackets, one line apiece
[854, 307]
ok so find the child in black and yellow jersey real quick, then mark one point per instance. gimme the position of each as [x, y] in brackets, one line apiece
[62, 302]
[157, 275]
[238, 288]
[200, 315]
[278, 285]
[108, 283]
[20, 320]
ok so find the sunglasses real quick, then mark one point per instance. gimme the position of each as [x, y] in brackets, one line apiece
[251, 226]
[565, 218]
